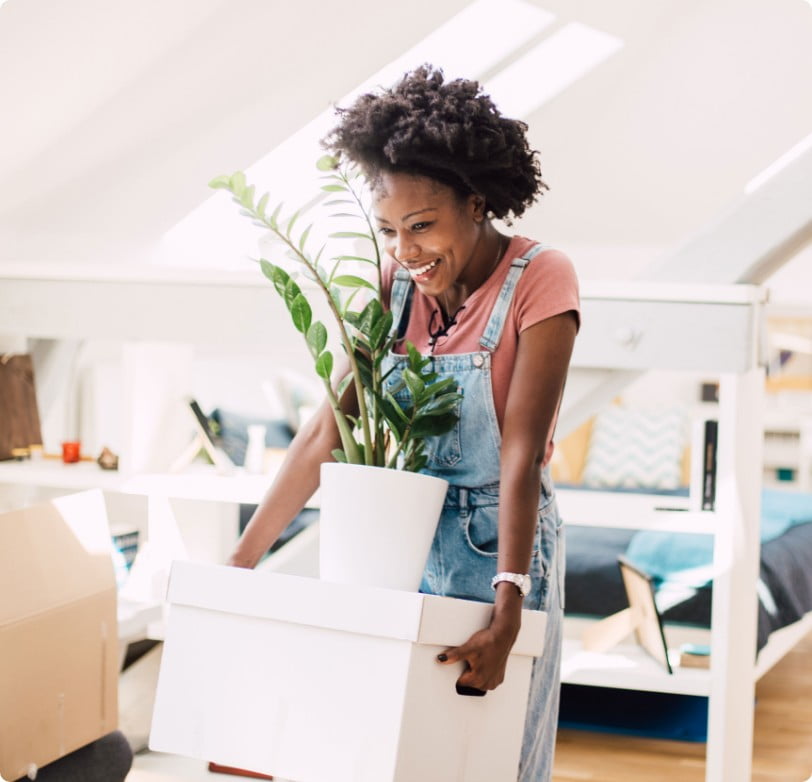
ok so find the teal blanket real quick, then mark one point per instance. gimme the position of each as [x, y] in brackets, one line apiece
[687, 558]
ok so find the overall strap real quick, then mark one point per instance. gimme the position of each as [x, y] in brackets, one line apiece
[496, 323]
[400, 301]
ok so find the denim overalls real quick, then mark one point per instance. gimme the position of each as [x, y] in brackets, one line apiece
[462, 560]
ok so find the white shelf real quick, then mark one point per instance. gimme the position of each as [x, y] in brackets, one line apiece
[628, 667]
[632, 511]
[199, 482]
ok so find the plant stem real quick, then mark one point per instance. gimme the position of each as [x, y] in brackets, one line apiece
[345, 340]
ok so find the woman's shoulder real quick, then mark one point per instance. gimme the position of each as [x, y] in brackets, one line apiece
[547, 263]
[548, 286]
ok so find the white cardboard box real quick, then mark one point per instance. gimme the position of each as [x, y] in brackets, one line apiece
[317, 682]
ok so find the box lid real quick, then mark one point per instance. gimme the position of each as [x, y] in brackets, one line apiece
[55, 553]
[408, 616]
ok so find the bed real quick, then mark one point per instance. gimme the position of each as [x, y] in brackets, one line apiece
[594, 588]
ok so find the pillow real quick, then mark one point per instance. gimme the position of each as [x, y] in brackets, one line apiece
[636, 449]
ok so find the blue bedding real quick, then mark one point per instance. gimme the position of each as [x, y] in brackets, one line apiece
[686, 558]
[594, 586]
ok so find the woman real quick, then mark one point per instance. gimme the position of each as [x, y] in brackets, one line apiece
[498, 313]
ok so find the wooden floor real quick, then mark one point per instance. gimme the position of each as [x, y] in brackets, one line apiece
[782, 742]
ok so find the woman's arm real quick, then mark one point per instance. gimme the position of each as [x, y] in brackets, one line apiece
[294, 484]
[536, 386]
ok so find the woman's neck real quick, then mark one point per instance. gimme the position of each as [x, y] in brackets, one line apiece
[490, 250]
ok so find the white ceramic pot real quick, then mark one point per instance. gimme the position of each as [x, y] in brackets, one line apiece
[377, 524]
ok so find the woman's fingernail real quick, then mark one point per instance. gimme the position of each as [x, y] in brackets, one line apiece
[442, 657]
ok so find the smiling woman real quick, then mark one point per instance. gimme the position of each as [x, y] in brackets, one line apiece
[499, 315]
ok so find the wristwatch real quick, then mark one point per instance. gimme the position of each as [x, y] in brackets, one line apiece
[522, 581]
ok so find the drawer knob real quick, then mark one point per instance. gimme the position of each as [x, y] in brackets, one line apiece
[628, 336]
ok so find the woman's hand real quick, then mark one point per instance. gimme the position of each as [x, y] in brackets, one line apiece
[486, 652]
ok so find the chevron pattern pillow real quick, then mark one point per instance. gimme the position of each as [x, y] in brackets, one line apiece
[636, 449]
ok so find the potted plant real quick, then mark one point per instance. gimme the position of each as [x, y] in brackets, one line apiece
[393, 421]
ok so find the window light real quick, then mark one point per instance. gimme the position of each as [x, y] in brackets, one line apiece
[550, 67]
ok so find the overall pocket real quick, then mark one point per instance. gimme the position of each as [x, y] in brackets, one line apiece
[446, 450]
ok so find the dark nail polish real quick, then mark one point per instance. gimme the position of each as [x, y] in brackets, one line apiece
[442, 657]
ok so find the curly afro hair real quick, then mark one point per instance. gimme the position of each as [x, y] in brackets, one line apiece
[448, 131]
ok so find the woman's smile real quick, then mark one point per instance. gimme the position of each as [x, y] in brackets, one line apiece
[426, 272]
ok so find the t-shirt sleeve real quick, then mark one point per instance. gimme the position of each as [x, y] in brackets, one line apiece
[547, 287]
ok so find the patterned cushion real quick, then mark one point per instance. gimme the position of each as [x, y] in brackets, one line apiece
[636, 449]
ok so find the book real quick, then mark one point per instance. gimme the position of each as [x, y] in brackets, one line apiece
[709, 450]
[694, 656]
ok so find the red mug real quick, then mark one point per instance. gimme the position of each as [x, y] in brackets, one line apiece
[70, 451]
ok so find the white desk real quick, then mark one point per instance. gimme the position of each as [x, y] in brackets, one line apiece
[204, 503]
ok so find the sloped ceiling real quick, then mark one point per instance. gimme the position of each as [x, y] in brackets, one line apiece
[115, 115]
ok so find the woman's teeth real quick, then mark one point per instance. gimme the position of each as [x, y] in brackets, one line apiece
[423, 269]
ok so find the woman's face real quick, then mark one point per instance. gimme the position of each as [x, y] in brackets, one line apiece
[428, 229]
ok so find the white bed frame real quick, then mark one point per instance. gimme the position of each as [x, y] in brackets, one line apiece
[629, 328]
[714, 330]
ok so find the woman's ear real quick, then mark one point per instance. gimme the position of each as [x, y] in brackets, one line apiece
[476, 204]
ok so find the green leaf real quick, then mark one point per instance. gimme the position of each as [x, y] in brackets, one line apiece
[327, 163]
[276, 274]
[292, 221]
[263, 202]
[354, 258]
[247, 197]
[441, 406]
[292, 290]
[237, 183]
[303, 237]
[339, 455]
[333, 188]
[413, 383]
[316, 337]
[433, 426]
[370, 316]
[348, 235]
[336, 201]
[219, 182]
[324, 365]
[301, 313]
[441, 387]
[275, 216]
[380, 330]
[364, 368]
[352, 281]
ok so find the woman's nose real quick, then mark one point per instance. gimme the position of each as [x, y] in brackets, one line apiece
[405, 248]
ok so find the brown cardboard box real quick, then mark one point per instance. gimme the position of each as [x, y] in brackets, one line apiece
[58, 638]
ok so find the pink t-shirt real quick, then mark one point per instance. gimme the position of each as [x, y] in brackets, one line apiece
[547, 287]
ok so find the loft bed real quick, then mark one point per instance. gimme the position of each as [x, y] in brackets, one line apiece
[714, 330]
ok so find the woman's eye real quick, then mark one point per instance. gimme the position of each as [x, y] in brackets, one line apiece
[420, 226]
[383, 231]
